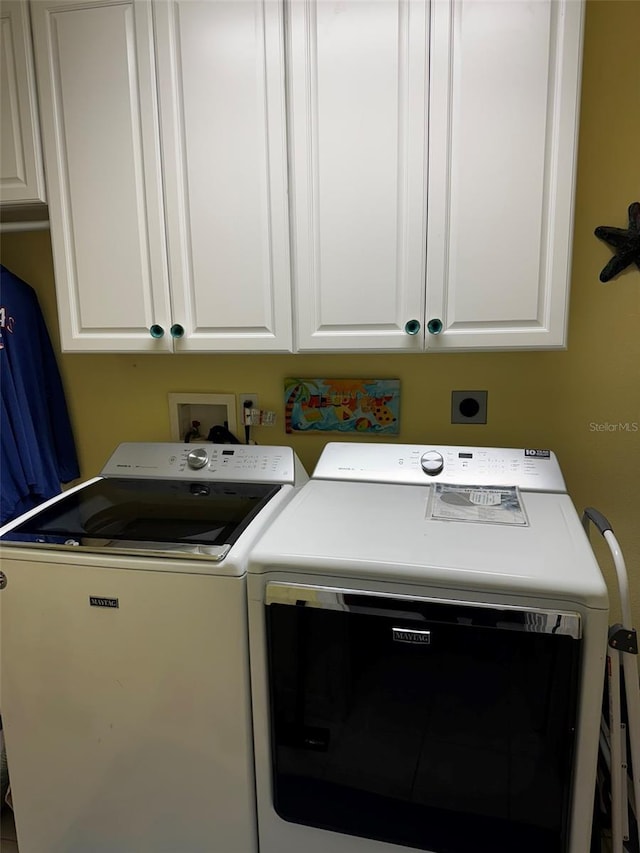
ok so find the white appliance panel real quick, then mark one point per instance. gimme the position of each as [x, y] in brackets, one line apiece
[531, 469]
[148, 703]
[381, 531]
[222, 462]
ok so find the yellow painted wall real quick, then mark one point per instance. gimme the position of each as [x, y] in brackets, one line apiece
[539, 399]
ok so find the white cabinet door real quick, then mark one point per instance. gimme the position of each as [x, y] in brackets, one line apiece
[222, 106]
[505, 86]
[21, 174]
[96, 79]
[358, 120]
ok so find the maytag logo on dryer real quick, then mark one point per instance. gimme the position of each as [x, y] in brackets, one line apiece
[411, 635]
[538, 454]
[97, 601]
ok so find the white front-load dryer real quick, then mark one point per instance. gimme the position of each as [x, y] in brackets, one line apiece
[428, 629]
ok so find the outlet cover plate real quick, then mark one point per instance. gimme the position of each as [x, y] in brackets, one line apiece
[469, 407]
[255, 404]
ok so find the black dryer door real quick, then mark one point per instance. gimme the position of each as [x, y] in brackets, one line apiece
[446, 727]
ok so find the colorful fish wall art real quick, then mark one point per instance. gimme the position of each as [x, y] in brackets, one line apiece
[367, 406]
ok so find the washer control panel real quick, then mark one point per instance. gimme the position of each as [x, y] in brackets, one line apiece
[530, 469]
[226, 462]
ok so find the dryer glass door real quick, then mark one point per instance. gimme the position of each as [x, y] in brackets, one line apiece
[446, 727]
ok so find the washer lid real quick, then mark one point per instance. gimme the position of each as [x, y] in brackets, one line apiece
[193, 519]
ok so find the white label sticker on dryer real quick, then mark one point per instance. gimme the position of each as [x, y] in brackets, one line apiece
[482, 504]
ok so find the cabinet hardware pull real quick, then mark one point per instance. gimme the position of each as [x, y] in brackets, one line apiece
[412, 327]
[156, 331]
[176, 331]
[434, 326]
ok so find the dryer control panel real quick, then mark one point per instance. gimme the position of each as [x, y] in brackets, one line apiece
[530, 469]
[238, 463]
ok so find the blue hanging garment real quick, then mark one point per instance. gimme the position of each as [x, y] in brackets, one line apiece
[37, 450]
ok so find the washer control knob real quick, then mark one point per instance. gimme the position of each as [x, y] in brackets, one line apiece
[432, 462]
[198, 458]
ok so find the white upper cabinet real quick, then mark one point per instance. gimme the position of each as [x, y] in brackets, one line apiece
[358, 94]
[21, 173]
[505, 94]
[493, 221]
[96, 78]
[165, 138]
[224, 142]
[310, 175]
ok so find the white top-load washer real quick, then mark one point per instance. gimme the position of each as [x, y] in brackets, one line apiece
[125, 674]
[428, 630]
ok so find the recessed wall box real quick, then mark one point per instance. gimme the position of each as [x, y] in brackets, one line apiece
[209, 409]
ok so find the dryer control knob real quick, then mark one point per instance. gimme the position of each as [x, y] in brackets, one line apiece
[432, 462]
[198, 458]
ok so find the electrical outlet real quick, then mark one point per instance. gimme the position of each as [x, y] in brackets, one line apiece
[468, 407]
[251, 401]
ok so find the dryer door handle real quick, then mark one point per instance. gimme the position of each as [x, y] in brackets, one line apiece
[425, 611]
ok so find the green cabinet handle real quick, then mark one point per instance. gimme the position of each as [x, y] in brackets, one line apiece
[412, 327]
[434, 326]
[176, 331]
[156, 331]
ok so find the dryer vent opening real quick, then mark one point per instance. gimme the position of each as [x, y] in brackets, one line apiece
[468, 407]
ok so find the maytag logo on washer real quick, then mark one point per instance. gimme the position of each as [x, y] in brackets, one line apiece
[539, 454]
[95, 601]
[410, 635]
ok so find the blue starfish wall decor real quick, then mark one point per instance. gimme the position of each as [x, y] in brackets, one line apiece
[626, 242]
